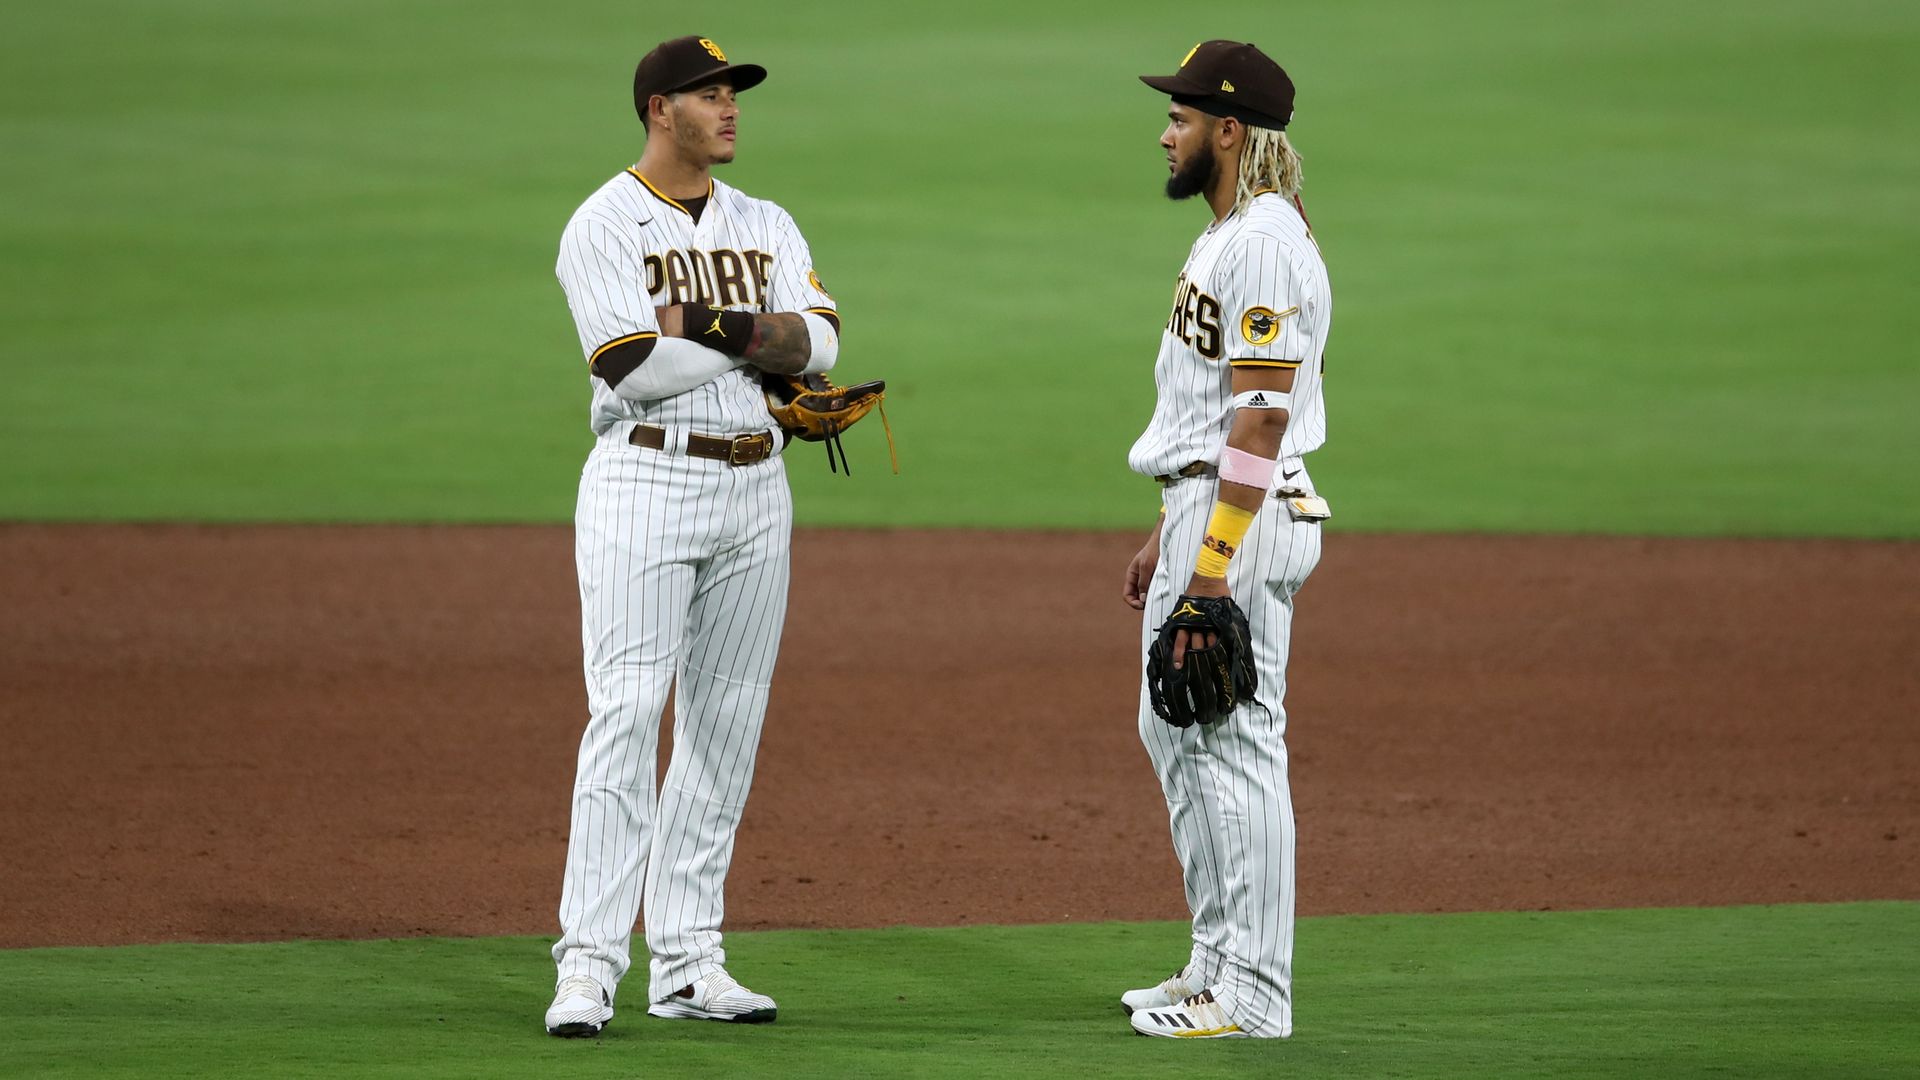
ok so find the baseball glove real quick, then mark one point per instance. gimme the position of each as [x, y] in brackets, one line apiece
[1212, 681]
[811, 408]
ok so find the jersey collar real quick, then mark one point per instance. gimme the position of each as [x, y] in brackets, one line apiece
[658, 194]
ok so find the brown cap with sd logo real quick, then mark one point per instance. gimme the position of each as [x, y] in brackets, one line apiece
[687, 62]
[1231, 78]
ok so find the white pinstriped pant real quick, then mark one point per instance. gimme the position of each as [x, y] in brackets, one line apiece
[1226, 784]
[683, 567]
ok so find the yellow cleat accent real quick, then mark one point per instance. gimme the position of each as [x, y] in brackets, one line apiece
[1208, 1033]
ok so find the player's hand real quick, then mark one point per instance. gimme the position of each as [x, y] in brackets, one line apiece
[1140, 573]
[1198, 639]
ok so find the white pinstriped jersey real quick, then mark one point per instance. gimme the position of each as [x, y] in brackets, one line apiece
[629, 249]
[1254, 293]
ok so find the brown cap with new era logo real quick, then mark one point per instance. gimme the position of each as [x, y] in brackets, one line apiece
[1231, 78]
[685, 63]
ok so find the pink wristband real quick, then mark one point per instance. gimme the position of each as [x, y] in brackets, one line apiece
[1249, 469]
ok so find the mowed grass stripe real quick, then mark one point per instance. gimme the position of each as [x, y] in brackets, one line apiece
[1632, 268]
[1812, 990]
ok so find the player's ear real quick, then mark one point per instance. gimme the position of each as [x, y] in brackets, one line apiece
[1228, 133]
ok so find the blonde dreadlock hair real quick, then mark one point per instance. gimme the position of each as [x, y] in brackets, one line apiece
[1268, 162]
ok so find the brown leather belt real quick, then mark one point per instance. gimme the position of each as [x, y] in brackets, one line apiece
[1193, 469]
[739, 450]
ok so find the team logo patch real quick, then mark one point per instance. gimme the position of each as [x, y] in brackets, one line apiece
[713, 50]
[815, 279]
[1261, 325]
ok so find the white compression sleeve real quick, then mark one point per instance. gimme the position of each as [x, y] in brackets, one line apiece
[675, 366]
[825, 343]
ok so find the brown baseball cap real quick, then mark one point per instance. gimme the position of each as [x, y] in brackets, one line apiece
[1231, 78]
[687, 62]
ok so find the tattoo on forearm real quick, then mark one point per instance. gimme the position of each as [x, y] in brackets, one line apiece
[780, 343]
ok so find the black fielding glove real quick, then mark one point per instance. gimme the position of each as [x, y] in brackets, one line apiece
[1211, 682]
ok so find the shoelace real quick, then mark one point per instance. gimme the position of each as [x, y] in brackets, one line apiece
[584, 985]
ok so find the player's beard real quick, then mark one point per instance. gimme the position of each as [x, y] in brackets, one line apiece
[1194, 177]
[708, 146]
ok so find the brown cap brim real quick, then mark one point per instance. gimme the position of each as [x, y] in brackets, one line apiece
[739, 76]
[1174, 84]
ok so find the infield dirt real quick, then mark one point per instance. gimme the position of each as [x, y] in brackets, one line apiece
[270, 732]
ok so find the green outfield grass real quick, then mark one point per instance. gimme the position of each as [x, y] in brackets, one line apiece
[1633, 267]
[1815, 991]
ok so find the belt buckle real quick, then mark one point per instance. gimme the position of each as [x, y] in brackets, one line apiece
[745, 443]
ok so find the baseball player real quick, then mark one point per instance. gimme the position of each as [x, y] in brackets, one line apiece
[1238, 409]
[683, 291]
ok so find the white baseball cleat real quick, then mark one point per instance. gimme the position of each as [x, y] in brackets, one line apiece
[1171, 992]
[1198, 1017]
[581, 1007]
[717, 997]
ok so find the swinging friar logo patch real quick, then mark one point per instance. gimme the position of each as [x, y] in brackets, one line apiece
[1261, 325]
